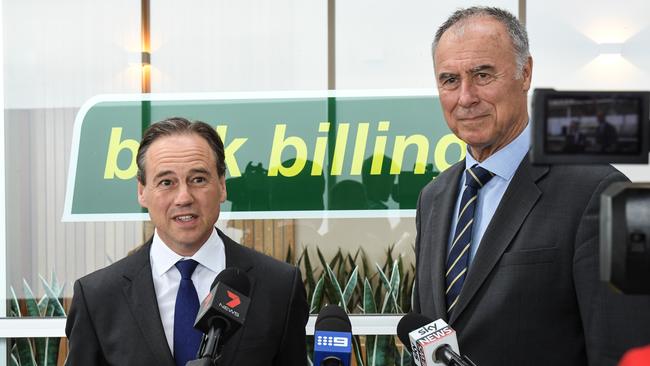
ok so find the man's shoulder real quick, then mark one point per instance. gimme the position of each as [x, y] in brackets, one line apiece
[592, 173]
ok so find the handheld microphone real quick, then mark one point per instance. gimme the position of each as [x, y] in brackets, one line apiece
[431, 342]
[332, 337]
[222, 313]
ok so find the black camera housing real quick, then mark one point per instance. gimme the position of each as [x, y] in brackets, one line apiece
[557, 140]
[625, 237]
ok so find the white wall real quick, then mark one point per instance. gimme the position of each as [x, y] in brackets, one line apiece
[568, 39]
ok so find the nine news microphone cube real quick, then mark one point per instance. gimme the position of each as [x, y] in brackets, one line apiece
[625, 237]
[332, 344]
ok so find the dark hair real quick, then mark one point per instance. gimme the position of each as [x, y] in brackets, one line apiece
[180, 126]
[515, 29]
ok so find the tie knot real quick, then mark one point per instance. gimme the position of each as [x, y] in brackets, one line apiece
[477, 177]
[186, 268]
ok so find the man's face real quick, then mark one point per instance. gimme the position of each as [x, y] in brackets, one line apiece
[183, 191]
[484, 103]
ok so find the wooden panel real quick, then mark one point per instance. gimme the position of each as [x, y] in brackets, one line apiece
[258, 236]
[271, 237]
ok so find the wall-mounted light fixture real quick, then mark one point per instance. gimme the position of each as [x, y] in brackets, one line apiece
[610, 48]
[145, 35]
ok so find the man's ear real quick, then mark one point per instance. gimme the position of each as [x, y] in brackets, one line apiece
[527, 74]
[222, 188]
[141, 198]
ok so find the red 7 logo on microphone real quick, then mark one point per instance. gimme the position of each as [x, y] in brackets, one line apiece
[234, 300]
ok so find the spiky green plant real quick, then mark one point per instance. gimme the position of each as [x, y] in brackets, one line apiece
[37, 351]
[346, 279]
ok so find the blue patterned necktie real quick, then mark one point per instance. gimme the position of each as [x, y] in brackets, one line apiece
[186, 338]
[458, 254]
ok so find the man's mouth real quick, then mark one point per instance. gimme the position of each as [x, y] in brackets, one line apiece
[185, 218]
[471, 118]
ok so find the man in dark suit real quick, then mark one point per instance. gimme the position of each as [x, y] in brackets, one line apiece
[506, 251]
[140, 310]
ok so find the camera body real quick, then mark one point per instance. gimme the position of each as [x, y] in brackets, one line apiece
[601, 127]
[590, 127]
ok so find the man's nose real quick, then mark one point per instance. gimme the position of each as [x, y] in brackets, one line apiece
[468, 94]
[183, 195]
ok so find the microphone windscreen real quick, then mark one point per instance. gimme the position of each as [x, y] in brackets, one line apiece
[235, 279]
[333, 318]
[409, 323]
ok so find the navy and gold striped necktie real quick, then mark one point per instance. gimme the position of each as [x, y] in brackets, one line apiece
[458, 253]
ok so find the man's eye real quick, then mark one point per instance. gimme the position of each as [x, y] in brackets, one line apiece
[450, 83]
[199, 180]
[165, 183]
[483, 78]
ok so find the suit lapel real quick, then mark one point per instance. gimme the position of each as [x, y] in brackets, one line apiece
[236, 256]
[517, 202]
[141, 297]
[442, 208]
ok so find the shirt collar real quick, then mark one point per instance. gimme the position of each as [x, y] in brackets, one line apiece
[163, 258]
[504, 162]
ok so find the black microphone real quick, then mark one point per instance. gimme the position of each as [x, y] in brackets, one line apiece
[221, 314]
[332, 337]
[431, 342]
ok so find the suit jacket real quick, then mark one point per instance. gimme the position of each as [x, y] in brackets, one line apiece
[532, 295]
[114, 317]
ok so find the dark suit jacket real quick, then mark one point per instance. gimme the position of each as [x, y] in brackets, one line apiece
[532, 295]
[114, 317]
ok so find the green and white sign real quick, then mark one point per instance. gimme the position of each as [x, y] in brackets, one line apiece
[288, 155]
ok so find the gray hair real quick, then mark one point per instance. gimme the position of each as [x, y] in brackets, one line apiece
[515, 29]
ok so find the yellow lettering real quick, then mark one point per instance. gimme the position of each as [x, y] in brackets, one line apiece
[279, 143]
[319, 151]
[230, 150]
[380, 149]
[440, 154]
[401, 143]
[115, 146]
[359, 148]
[339, 148]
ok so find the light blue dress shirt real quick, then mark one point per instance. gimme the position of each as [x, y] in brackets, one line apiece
[503, 164]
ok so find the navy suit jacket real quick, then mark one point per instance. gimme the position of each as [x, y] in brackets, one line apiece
[114, 317]
[532, 295]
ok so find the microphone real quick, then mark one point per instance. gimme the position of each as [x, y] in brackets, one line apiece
[221, 314]
[332, 337]
[636, 357]
[431, 342]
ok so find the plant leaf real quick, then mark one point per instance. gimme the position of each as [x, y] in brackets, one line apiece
[25, 352]
[369, 305]
[51, 351]
[317, 296]
[14, 360]
[54, 299]
[394, 286]
[309, 272]
[30, 302]
[382, 352]
[356, 345]
[337, 288]
[14, 306]
[321, 258]
[350, 286]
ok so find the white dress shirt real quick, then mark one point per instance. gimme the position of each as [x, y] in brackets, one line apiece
[503, 164]
[166, 277]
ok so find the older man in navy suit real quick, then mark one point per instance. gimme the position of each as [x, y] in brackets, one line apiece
[507, 251]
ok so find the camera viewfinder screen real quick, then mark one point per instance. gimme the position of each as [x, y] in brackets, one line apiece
[595, 125]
